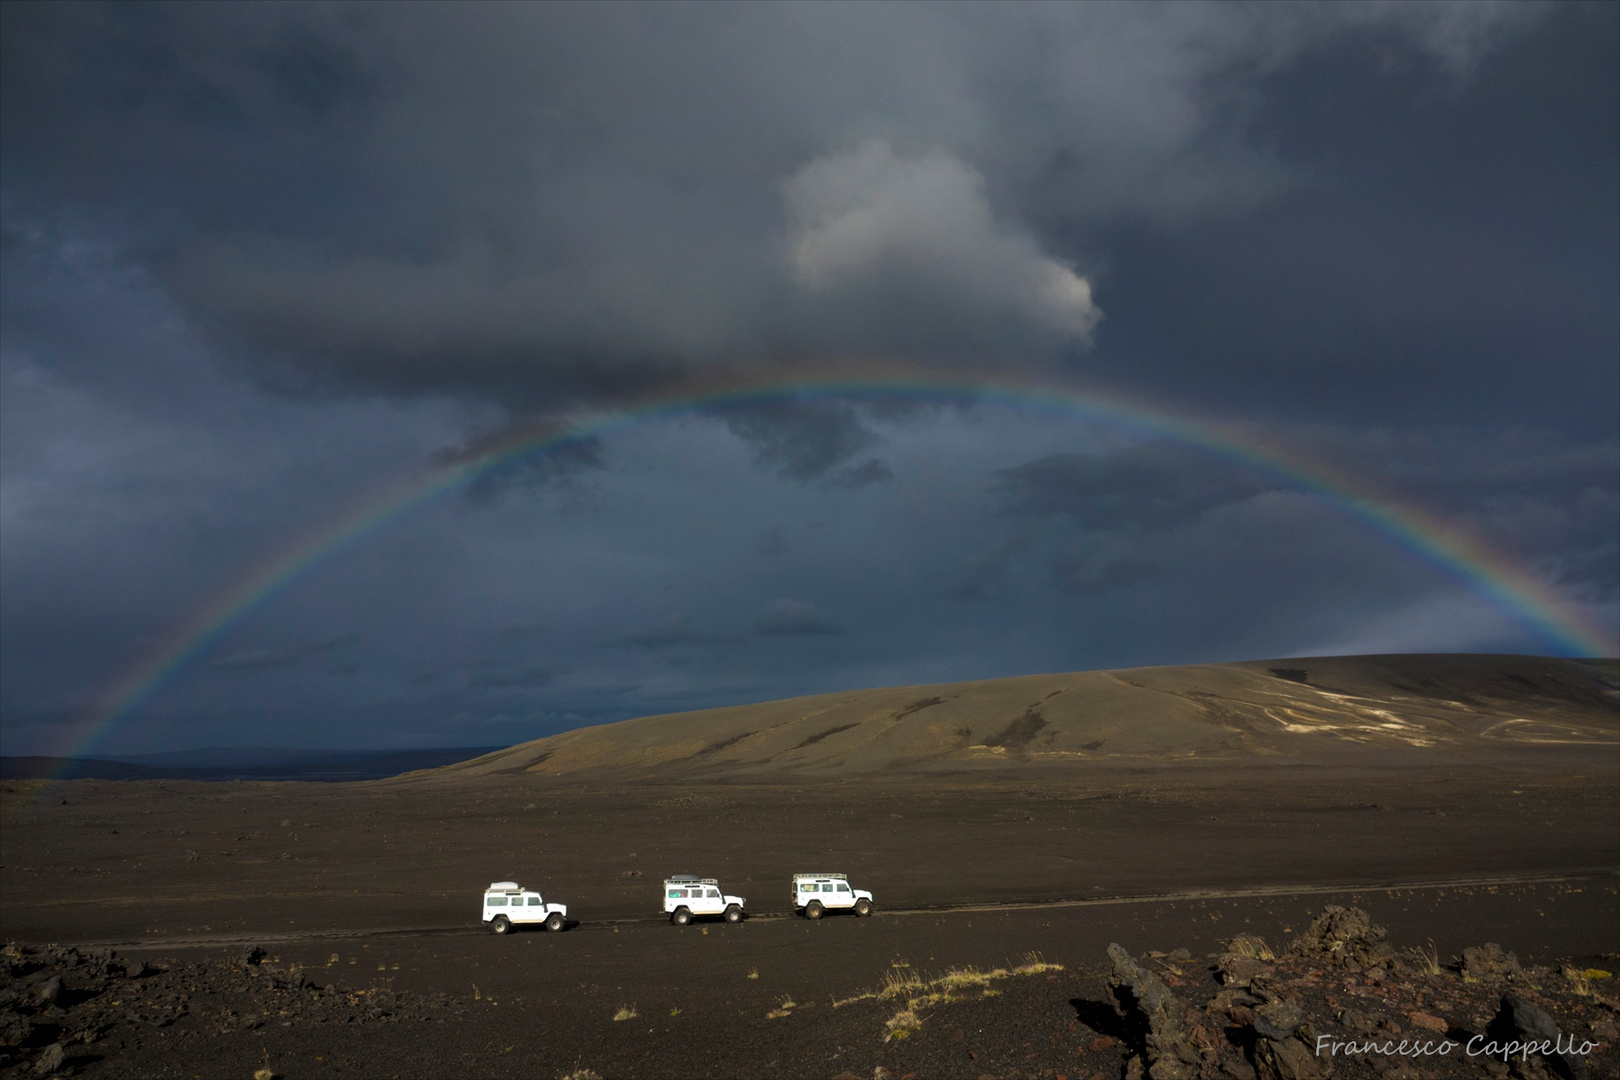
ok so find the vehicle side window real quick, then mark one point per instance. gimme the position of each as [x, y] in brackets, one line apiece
[676, 893]
[714, 894]
[843, 888]
[497, 901]
[534, 901]
[826, 888]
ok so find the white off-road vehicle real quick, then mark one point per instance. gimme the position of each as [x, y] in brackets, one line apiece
[816, 894]
[508, 905]
[687, 896]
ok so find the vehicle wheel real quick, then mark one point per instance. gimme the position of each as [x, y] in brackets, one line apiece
[863, 907]
[500, 924]
[812, 910]
[554, 921]
[682, 916]
[733, 914]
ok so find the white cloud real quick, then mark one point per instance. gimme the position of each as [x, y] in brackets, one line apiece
[868, 211]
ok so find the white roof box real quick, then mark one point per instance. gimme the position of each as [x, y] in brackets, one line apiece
[504, 886]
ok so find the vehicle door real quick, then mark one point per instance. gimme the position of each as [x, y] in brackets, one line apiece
[711, 901]
[843, 897]
[495, 905]
[528, 908]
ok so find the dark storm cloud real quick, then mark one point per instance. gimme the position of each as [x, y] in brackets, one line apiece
[793, 618]
[527, 677]
[537, 470]
[854, 477]
[1444, 256]
[677, 630]
[247, 659]
[772, 543]
[1550, 504]
[541, 205]
[805, 440]
[1153, 485]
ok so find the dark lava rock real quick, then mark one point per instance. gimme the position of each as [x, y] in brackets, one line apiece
[50, 1061]
[1345, 937]
[1152, 1010]
[1522, 1020]
[49, 991]
[1277, 1019]
[1287, 1059]
[1239, 971]
[1488, 963]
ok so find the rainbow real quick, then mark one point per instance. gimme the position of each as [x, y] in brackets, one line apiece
[1425, 535]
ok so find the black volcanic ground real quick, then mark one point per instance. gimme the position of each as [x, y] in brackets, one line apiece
[1458, 799]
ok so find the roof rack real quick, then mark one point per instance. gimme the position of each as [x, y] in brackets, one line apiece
[835, 877]
[692, 879]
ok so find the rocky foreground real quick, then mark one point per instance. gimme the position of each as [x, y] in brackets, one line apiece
[1340, 1000]
[63, 1010]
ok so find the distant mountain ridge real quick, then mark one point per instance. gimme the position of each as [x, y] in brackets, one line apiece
[239, 763]
[1329, 710]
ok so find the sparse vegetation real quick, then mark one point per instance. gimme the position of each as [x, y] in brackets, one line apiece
[581, 1074]
[1426, 960]
[1251, 947]
[753, 973]
[1581, 980]
[922, 993]
[902, 1025]
[626, 1012]
[783, 1008]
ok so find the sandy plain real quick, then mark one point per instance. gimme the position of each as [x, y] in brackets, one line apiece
[1449, 833]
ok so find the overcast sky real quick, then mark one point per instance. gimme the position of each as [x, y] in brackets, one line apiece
[261, 260]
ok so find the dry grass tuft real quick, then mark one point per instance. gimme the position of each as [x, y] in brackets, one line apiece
[902, 1025]
[1581, 981]
[1250, 946]
[783, 1008]
[920, 993]
[1035, 964]
[754, 973]
[581, 1074]
[626, 1012]
[1425, 960]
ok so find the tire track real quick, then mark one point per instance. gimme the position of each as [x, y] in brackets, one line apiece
[1178, 896]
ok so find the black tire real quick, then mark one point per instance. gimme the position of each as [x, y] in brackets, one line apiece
[555, 921]
[500, 924]
[812, 910]
[682, 916]
[733, 914]
[863, 908]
